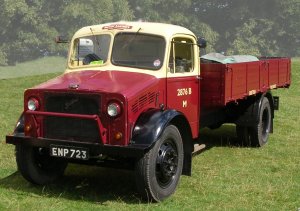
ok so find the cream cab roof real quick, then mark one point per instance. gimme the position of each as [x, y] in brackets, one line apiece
[162, 29]
[165, 30]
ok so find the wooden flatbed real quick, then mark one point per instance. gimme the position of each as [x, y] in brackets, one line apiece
[225, 83]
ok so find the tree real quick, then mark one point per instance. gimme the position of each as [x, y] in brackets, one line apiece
[28, 27]
[255, 37]
[269, 27]
[288, 27]
[174, 12]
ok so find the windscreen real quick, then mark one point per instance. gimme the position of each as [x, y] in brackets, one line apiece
[138, 50]
[90, 50]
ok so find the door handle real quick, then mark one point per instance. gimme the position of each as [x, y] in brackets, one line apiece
[198, 77]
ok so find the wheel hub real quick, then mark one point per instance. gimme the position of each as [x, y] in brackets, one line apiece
[166, 164]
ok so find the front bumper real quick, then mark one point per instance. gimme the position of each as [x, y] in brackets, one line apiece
[94, 149]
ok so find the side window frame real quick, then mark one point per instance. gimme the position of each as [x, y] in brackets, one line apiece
[182, 64]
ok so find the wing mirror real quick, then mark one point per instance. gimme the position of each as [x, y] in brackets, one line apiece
[201, 42]
[61, 39]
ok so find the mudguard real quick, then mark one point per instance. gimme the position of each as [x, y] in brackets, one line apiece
[19, 128]
[150, 126]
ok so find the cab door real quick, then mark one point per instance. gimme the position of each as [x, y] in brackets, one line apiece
[183, 84]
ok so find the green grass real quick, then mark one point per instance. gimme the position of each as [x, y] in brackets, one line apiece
[37, 67]
[225, 177]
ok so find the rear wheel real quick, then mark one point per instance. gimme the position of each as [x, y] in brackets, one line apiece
[159, 171]
[258, 134]
[243, 134]
[37, 166]
[262, 130]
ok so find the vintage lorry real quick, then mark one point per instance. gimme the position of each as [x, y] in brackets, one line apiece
[134, 95]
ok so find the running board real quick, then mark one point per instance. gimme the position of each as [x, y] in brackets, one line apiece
[198, 147]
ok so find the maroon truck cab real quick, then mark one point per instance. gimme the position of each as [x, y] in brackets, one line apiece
[134, 95]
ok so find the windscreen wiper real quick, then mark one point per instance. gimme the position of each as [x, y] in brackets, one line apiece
[95, 37]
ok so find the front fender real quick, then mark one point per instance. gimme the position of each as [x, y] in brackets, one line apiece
[150, 126]
[19, 128]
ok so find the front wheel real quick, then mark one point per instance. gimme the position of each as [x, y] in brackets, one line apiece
[37, 166]
[158, 171]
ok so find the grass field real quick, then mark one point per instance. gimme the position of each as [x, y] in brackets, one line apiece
[37, 67]
[225, 177]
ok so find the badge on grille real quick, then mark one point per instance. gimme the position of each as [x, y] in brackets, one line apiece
[73, 86]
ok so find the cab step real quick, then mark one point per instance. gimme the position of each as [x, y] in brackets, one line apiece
[198, 147]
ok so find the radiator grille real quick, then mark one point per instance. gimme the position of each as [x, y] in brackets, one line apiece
[72, 128]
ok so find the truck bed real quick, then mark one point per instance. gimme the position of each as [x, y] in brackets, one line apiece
[225, 83]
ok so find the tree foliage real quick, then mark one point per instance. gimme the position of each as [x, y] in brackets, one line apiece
[179, 12]
[28, 27]
[269, 27]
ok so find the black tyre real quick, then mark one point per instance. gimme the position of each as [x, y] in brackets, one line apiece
[262, 130]
[37, 166]
[159, 171]
[243, 134]
[258, 134]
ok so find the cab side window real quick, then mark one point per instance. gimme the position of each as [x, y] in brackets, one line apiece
[181, 55]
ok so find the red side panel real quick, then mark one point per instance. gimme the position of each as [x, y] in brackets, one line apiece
[212, 85]
[253, 81]
[224, 83]
[183, 96]
[242, 78]
[279, 72]
[237, 84]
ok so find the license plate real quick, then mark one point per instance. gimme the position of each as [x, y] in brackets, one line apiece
[69, 152]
